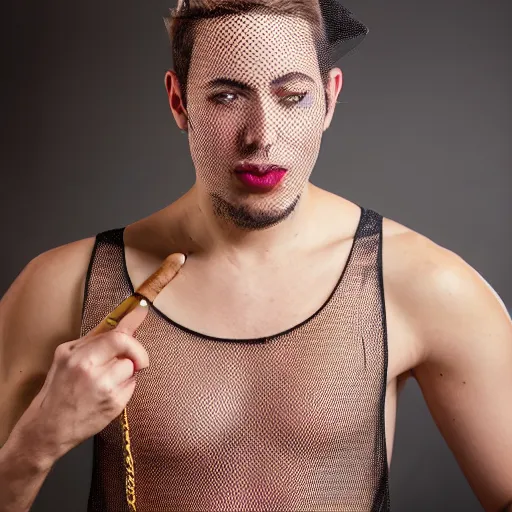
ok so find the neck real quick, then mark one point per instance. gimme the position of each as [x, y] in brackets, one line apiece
[212, 235]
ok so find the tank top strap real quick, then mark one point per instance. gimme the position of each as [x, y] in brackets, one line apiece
[365, 259]
[361, 293]
[106, 284]
[372, 223]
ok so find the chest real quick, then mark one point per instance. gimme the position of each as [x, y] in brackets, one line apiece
[221, 304]
[290, 425]
[305, 395]
[308, 393]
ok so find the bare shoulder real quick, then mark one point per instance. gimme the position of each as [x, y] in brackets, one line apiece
[403, 250]
[45, 300]
[425, 281]
[40, 310]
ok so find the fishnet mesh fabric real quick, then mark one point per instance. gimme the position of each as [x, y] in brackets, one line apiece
[290, 422]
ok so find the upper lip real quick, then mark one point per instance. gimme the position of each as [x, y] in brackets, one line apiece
[256, 168]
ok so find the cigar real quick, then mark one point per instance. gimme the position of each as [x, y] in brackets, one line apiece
[145, 294]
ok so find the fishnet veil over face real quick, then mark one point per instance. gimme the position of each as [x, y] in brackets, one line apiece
[254, 92]
[276, 119]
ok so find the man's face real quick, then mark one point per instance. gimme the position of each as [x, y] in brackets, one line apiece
[275, 115]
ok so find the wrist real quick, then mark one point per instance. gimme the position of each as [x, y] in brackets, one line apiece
[28, 447]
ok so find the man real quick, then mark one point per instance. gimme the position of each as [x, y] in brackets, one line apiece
[277, 352]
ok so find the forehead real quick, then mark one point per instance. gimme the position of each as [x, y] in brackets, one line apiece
[253, 47]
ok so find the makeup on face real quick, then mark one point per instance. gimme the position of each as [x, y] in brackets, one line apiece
[255, 97]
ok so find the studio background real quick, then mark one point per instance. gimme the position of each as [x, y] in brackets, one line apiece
[422, 135]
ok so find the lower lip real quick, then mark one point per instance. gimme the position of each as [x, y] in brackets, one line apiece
[265, 181]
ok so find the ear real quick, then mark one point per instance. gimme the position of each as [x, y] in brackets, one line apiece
[172, 87]
[334, 85]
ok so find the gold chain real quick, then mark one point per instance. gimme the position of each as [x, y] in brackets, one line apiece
[128, 462]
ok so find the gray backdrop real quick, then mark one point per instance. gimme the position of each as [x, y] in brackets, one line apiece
[422, 136]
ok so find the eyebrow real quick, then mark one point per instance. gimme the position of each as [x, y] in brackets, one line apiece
[294, 75]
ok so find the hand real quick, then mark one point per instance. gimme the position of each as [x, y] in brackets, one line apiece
[92, 378]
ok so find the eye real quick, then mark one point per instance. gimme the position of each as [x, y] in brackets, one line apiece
[300, 97]
[221, 98]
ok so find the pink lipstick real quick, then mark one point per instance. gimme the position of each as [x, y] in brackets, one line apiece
[260, 177]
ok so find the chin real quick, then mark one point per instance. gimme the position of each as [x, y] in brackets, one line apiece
[249, 216]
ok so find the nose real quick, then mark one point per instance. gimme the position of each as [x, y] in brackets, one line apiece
[260, 129]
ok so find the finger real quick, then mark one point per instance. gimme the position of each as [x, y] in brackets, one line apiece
[118, 371]
[155, 283]
[125, 317]
[137, 302]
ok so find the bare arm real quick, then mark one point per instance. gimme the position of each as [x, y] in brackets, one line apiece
[466, 374]
[23, 471]
[40, 310]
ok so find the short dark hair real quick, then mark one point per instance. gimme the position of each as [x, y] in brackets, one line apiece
[182, 24]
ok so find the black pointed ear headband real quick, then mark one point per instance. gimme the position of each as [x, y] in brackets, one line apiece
[344, 31]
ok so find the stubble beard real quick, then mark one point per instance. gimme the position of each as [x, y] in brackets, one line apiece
[245, 217]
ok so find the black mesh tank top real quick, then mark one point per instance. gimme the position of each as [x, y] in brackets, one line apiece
[292, 422]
